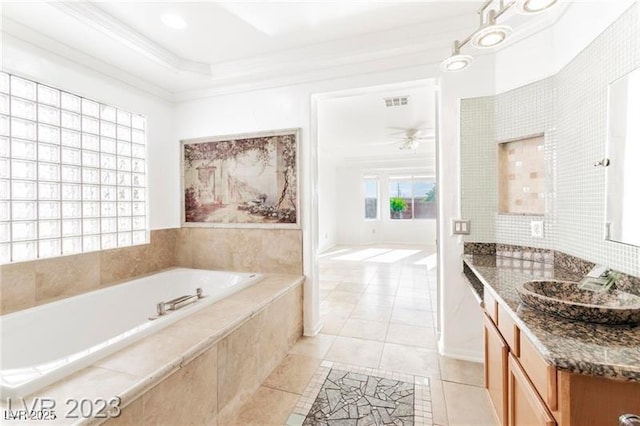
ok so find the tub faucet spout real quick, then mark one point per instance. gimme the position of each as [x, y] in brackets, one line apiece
[161, 308]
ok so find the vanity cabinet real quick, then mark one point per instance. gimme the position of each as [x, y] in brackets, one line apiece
[496, 354]
[525, 390]
[521, 385]
[526, 407]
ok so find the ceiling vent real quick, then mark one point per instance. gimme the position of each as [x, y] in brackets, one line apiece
[397, 101]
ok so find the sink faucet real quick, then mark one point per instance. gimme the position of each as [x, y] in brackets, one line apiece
[598, 272]
[599, 278]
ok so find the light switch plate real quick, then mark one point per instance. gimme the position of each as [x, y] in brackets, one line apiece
[461, 227]
[537, 229]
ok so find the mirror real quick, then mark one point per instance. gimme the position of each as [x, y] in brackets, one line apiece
[623, 152]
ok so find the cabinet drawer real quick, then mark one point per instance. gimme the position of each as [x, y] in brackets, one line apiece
[526, 408]
[509, 330]
[542, 375]
[490, 306]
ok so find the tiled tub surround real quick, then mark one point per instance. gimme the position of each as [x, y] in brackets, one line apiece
[571, 346]
[27, 284]
[264, 250]
[200, 369]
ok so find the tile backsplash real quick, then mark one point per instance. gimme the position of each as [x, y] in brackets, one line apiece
[570, 108]
[27, 284]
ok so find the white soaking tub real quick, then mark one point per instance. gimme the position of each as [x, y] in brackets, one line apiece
[43, 344]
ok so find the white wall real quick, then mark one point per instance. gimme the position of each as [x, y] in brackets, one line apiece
[460, 315]
[328, 213]
[353, 229]
[285, 107]
[32, 62]
[547, 52]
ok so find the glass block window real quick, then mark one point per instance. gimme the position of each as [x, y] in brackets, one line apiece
[72, 173]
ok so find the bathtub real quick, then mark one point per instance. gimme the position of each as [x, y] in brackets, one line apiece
[41, 345]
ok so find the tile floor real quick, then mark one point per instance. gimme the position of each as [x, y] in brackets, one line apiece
[377, 307]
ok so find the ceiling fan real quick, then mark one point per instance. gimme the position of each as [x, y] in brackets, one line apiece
[410, 138]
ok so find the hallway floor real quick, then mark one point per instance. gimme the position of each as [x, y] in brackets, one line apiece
[377, 307]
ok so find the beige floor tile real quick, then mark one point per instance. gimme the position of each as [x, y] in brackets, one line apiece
[464, 372]
[266, 407]
[376, 300]
[328, 285]
[365, 329]
[293, 373]
[316, 346]
[438, 404]
[411, 293]
[361, 352]
[384, 290]
[332, 325]
[336, 310]
[351, 287]
[343, 296]
[412, 335]
[412, 317]
[468, 405]
[372, 313]
[410, 359]
[415, 303]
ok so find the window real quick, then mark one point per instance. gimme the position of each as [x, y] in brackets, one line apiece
[412, 197]
[72, 173]
[370, 197]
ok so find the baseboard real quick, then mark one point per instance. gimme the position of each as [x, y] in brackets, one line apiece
[314, 332]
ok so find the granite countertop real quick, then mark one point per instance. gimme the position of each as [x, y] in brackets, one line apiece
[572, 346]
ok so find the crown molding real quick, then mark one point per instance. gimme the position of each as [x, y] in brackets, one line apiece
[418, 46]
[14, 32]
[101, 21]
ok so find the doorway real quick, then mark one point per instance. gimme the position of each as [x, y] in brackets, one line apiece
[376, 220]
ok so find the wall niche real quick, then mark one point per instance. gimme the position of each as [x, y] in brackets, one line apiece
[521, 176]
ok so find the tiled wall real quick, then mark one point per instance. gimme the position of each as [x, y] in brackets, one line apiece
[26, 284]
[249, 250]
[570, 108]
[479, 167]
[522, 176]
[523, 112]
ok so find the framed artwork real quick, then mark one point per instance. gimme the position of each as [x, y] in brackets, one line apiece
[244, 181]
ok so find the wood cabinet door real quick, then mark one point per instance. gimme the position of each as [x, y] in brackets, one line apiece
[526, 408]
[496, 354]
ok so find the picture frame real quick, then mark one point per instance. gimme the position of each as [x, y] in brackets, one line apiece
[248, 180]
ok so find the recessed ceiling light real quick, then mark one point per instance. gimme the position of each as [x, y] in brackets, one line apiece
[173, 21]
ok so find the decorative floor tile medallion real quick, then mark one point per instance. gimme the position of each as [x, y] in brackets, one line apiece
[353, 399]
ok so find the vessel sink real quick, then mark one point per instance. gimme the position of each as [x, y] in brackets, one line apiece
[566, 299]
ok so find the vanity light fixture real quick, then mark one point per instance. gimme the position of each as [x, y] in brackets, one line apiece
[457, 61]
[490, 34]
[535, 6]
